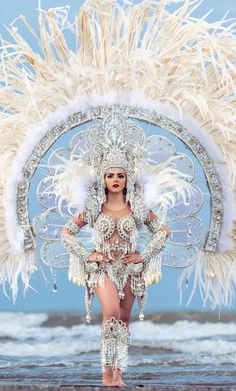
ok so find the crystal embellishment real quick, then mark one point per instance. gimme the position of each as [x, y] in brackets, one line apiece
[76, 119]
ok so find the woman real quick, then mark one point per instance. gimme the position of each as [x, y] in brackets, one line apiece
[120, 272]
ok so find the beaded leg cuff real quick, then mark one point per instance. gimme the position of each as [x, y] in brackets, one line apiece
[115, 340]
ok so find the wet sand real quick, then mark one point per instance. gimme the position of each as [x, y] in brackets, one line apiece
[194, 387]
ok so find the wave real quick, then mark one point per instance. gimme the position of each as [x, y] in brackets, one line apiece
[52, 349]
[180, 330]
[24, 326]
[195, 352]
[29, 334]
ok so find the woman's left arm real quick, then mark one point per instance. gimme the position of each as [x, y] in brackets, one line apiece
[159, 235]
[150, 255]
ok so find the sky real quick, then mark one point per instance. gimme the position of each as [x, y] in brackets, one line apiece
[163, 296]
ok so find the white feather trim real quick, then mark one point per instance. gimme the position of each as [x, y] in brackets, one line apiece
[134, 68]
[164, 186]
[215, 276]
[71, 185]
[151, 189]
[85, 104]
[19, 265]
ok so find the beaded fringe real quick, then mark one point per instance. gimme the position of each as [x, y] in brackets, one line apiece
[76, 272]
[115, 339]
[152, 274]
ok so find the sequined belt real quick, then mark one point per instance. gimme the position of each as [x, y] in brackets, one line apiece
[117, 266]
[117, 271]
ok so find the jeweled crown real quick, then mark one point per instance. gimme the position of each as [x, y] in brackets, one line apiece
[115, 141]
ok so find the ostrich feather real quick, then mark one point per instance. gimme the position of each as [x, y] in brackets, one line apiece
[164, 186]
[215, 275]
[71, 185]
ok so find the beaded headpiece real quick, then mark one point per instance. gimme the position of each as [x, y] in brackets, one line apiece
[115, 142]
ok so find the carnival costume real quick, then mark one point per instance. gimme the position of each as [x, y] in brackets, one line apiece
[132, 97]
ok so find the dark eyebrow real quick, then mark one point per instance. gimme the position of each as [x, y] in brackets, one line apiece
[112, 173]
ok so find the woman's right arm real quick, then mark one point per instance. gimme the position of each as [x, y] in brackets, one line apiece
[72, 227]
[79, 254]
[74, 224]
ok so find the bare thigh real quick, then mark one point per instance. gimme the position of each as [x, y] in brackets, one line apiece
[109, 299]
[112, 306]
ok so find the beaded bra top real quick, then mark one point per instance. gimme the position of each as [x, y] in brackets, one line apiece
[115, 237]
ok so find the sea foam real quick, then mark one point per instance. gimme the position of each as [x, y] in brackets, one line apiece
[28, 335]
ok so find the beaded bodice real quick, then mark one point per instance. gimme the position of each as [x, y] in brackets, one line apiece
[115, 236]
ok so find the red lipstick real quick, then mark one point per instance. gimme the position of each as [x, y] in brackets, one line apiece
[115, 185]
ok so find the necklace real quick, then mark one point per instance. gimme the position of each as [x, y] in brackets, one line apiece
[116, 210]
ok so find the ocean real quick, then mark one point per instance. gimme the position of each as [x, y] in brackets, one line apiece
[167, 350]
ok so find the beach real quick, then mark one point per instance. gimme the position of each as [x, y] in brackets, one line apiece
[169, 351]
[97, 388]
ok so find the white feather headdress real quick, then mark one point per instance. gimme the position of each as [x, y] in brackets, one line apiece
[124, 54]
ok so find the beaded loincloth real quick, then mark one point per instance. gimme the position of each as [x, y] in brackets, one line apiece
[119, 273]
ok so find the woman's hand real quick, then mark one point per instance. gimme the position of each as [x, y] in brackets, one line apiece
[132, 258]
[98, 257]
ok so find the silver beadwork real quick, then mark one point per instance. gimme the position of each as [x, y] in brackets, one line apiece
[116, 237]
[72, 226]
[88, 303]
[113, 237]
[114, 116]
[154, 246]
[154, 225]
[150, 256]
[78, 257]
[173, 127]
[112, 142]
[115, 339]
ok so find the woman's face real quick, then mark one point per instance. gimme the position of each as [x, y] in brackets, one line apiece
[115, 180]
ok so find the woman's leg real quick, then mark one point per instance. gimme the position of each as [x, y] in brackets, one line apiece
[125, 312]
[112, 307]
[109, 301]
[126, 304]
